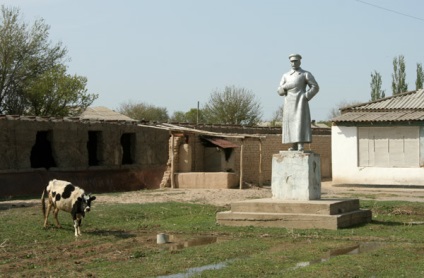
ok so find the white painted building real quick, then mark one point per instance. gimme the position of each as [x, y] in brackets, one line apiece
[380, 142]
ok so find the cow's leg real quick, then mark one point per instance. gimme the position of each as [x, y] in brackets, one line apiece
[76, 227]
[77, 224]
[46, 216]
[55, 213]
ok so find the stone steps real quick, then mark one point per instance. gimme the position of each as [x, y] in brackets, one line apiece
[315, 214]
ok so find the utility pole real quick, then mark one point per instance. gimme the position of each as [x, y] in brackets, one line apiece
[197, 114]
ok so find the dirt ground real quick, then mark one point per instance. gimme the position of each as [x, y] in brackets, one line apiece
[223, 197]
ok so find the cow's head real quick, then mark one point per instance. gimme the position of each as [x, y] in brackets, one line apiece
[86, 202]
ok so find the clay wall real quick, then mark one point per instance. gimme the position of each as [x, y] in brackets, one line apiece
[98, 156]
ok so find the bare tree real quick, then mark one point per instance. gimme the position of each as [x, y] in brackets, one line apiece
[277, 116]
[336, 111]
[144, 112]
[233, 106]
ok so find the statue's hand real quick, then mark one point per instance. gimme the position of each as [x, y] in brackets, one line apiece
[281, 91]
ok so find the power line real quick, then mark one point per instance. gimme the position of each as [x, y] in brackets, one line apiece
[389, 10]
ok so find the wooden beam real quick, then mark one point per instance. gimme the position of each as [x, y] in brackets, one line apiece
[241, 164]
[260, 162]
[172, 161]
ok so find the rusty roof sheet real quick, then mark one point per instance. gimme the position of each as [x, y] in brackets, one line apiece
[225, 144]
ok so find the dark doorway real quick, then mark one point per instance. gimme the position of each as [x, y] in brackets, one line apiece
[128, 146]
[94, 148]
[41, 152]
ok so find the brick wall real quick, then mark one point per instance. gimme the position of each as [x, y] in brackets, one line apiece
[321, 144]
[267, 146]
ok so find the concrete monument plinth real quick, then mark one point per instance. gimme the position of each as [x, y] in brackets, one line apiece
[296, 201]
[296, 176]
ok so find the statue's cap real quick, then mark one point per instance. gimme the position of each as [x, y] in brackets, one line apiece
[294, 57]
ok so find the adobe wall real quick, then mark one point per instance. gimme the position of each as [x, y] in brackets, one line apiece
[69, 149]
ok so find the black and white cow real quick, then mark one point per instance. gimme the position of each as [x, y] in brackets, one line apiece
[67, 197]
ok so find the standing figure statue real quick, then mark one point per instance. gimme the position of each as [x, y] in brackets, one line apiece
[296, 116]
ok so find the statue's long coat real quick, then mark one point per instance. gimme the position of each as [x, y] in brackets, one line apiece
[296, 115]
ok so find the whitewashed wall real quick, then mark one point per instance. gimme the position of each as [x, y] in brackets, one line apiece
[345, 164]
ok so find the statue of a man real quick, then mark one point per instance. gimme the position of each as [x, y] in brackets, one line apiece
[296, 116]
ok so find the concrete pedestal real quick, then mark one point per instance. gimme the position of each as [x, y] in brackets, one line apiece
[316, 214]
[296, 176]
[296, 201]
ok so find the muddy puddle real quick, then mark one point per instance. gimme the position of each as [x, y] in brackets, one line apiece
[197, 270]
[175, 243]
[351, 250]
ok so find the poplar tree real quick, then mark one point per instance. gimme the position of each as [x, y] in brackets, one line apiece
[399, 84]
[420, 77]
[376, 91]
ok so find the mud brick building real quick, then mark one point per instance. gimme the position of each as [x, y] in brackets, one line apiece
[104, 151]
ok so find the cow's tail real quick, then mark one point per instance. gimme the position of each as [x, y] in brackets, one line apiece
[43, 203]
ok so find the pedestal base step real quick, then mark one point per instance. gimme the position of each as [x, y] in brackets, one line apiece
[316, 214]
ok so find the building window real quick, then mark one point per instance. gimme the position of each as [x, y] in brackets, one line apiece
[94, 148]
[389, 146]
[128, 148]
[41, 152]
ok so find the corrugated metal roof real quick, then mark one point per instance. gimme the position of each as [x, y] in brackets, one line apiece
[407, 106]
[393, 116]
[409, 100]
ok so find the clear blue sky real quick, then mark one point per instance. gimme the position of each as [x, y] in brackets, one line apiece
[174, 53]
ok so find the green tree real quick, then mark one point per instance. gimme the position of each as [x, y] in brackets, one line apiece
[376, 91]
[232, 106]
[56, 93]
[27, 60]
[420, 77]
[179, 117]
[193, 116]
[399, 84]
[144, 112]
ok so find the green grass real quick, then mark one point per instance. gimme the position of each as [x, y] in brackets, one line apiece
[119, 240]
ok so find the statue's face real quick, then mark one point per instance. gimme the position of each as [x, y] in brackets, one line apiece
[295, 64]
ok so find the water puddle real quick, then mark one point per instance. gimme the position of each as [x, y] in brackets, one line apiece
[352, 250]
[174, 244]
[197, 270]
